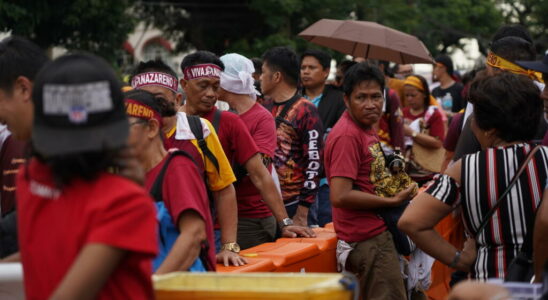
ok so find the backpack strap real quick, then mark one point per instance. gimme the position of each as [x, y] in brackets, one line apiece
[197, 130]
[281, 116]
[216, 120]
[156, 193]
[156, 190]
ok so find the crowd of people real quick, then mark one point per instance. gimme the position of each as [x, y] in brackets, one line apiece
[105, 183]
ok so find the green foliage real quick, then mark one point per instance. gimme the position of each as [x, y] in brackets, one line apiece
[246, 26]
[252, 26]
[531, 14]
[438, 23]
[98, 26]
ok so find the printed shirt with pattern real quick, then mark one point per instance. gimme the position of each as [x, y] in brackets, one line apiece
[299, 148]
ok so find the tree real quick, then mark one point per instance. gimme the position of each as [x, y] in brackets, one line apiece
[532, 15]
[252, 26]
[439, 24]
[98, 26]
[246, 26]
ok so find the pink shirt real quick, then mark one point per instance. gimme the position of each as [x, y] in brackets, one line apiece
[262, 128]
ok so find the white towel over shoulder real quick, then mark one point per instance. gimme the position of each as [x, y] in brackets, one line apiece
[183, 131]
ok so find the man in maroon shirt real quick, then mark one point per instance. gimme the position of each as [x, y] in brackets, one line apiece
[219, 181]
[355, 164]
[20, 60]
[201, 83]
[256, 203]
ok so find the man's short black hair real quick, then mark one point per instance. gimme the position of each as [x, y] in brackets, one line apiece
[508, 103]
[345, 65]
[19, 57]
[156, 65]
[284, 60]
[513, 48]
[517, 30]
[323, 58]
[361, 72]
[386, 68]
[201, 57]
[257, 64]
[447, 62]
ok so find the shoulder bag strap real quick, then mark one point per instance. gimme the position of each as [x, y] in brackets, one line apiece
[216, 120]
[196, 128]
[508, 188]
[281, 117]
[156, 189]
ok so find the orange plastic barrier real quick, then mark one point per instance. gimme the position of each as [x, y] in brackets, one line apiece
[451, 229]
[254, 264]
[326, 241]
[287, 257]
[292, 255]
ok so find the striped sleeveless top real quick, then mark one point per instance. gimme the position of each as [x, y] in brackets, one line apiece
[484, 177]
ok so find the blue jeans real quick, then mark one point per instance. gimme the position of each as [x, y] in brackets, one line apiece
[217, 233]
[319, 212]
[324, 206]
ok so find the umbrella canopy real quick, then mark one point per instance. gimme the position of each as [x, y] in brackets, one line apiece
[368, 40]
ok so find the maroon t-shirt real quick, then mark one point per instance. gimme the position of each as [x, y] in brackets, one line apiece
[262, 128]
[453, 133]
[355, 153]
[184, 189]
[12, 156]
[237, 143]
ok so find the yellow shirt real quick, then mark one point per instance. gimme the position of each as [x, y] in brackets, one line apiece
[225, 176]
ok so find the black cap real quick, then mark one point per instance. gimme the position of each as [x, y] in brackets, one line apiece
[539, 65]
[78, 107]
[446, 61]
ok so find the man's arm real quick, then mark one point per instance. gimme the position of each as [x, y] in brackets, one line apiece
[187, 247]
[15, 257]
[262, 179]
[343, 196]
[312, 146]
[227, 212]
[220, 181]
[89, 272]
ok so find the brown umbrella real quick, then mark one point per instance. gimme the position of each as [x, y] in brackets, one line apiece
[368, 40]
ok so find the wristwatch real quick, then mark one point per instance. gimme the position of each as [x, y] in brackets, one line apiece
[232, 247]
[285, 222]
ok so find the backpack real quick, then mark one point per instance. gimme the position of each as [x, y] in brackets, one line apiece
[196, 127]
[167, 231]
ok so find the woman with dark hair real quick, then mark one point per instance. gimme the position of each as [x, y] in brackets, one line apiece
[505, 109]
[186, 229]
[423, 125]
[84, 233]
